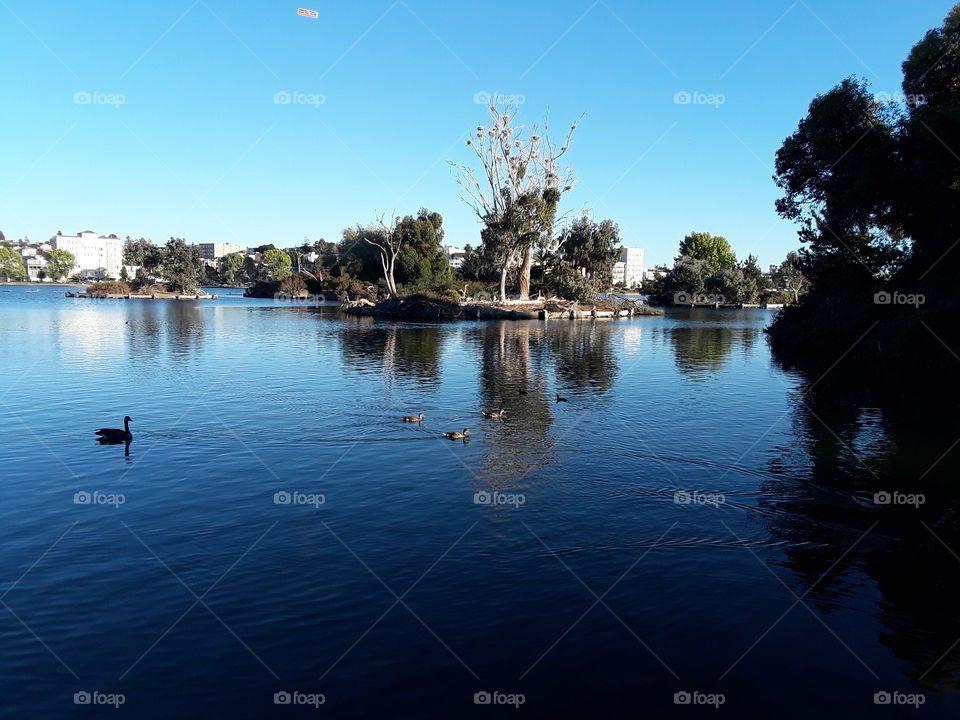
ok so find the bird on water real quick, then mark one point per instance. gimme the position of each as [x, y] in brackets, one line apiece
[116, 435]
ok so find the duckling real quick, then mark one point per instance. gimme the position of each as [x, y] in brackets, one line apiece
[561, 399]
[457, 435]
[413, 418]
[494, 414]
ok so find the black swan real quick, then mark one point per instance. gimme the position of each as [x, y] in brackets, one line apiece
[115, 435]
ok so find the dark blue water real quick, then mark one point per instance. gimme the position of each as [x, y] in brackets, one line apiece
[593, 589]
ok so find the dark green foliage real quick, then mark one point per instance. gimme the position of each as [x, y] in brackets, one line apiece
[876, 190]
[181, 266]
[480, 265]
[592, 249]
[232, 265]
[420, 262]
[146, 256]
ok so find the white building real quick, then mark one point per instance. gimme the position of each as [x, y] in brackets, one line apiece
[455, 255]
[215, 251]
[97, 256]
[33, 261]
[628, 270]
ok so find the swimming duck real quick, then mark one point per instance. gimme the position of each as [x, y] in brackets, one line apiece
[413, 418]
[115, 435]
[494, 414]
[561, 399]
[457, 435]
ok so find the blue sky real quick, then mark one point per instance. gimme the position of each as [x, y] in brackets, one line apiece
[182, 135]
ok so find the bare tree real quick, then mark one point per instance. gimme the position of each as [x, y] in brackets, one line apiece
[517, 195]
[388, 243]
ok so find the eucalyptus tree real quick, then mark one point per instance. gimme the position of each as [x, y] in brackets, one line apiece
[517, 193]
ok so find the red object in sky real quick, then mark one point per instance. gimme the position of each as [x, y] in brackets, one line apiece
[308, 13]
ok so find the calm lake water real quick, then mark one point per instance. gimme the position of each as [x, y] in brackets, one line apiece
[588, 585]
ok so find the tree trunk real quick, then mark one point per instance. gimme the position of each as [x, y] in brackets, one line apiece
[525, 266]
[503, 282]
[391, 284]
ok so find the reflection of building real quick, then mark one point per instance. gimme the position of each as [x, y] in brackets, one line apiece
[97, 256]
[455, 255]
[628, 270]
[215, 251]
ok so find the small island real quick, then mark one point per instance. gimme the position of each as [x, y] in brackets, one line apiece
[111, 290]
[421, 306]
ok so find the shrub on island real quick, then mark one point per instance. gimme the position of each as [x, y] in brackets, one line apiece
[108, 287]
[293, 286]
